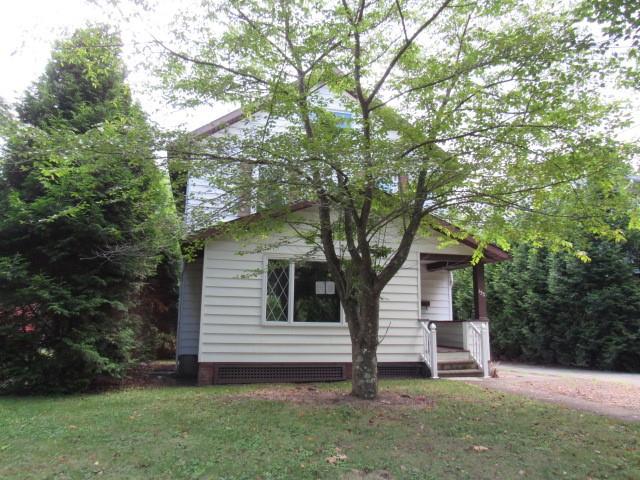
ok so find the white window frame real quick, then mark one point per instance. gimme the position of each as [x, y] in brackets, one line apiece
[290, 304]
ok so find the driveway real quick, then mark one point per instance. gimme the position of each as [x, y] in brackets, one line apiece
[607, 393]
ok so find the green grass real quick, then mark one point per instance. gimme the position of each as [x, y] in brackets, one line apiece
[176, 433]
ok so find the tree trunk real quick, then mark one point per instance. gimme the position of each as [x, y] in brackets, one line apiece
[364, 347]
[364, 382]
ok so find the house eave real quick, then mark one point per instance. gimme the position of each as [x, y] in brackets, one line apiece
[219, 123]
[248, 219]
[492, 253]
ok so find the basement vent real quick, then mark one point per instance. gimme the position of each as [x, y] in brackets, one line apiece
[279, 373]
[400, 371]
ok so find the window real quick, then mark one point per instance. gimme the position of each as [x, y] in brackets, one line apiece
[278, 291]
[345, 119]
[302, 292]
[314, 294]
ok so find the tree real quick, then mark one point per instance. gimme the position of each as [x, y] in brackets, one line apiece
[620, 23]
[84, 220]
[620, 18]
[472, 111]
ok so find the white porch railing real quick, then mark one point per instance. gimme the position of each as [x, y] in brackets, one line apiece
[478, 344]
[430, 342]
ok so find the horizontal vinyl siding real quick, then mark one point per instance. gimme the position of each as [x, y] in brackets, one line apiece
[436, 288]
[189, 312]
[304, 357]
[231, 323]
[205, 204]
[232, 328]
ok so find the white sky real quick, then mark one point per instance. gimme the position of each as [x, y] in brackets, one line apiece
[28, 29]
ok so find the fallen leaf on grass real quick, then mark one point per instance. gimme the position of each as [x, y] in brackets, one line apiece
[334, 459]
[479, 448]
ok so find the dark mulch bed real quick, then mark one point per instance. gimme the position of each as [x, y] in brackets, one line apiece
[309, 394]
[145, 375]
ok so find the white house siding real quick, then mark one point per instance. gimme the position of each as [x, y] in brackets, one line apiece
[232, 329]
[203, 202]
[436, 288]
[189, 309]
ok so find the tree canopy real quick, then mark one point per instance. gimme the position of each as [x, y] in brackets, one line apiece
[619, 21]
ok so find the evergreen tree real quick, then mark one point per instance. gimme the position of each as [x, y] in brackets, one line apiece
[506, 288]
[551, 307]
[84, 221]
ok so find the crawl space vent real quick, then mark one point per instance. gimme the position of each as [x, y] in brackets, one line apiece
[278, 373]
[400, 371]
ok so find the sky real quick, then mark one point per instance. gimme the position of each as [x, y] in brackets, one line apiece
[28, 29]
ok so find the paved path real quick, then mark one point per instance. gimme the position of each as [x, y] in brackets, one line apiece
[607, 393]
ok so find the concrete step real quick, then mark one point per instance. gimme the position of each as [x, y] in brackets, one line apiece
[467, 372]
[459, 365]
[461, 356]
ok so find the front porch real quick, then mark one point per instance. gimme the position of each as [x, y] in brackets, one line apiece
[454, 348]
[470, 359]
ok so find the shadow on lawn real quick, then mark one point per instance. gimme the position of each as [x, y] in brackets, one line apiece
[155, 374]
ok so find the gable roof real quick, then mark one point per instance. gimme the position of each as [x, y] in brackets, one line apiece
[492, 252]
[237, 115]
[219, 123]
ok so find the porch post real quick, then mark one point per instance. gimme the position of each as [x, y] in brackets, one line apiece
[479, 294]
[481, 315]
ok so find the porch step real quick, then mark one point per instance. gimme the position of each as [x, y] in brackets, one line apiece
[458, 365]
[467, 372]
[460, 356]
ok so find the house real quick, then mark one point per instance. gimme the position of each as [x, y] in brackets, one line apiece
[266, 310]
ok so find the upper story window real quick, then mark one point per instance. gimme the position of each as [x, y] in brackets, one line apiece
[345, 119]
[301, 292]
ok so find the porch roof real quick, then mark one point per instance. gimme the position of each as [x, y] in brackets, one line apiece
[438, 261]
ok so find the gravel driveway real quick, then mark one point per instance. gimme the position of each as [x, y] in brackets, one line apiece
[607, 393]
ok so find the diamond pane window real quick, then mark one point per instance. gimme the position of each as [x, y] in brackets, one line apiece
[277, 291]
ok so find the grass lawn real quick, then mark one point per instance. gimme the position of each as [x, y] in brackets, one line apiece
[232, 433]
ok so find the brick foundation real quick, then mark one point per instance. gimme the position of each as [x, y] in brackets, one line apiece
[236, 373]
[206, 373]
